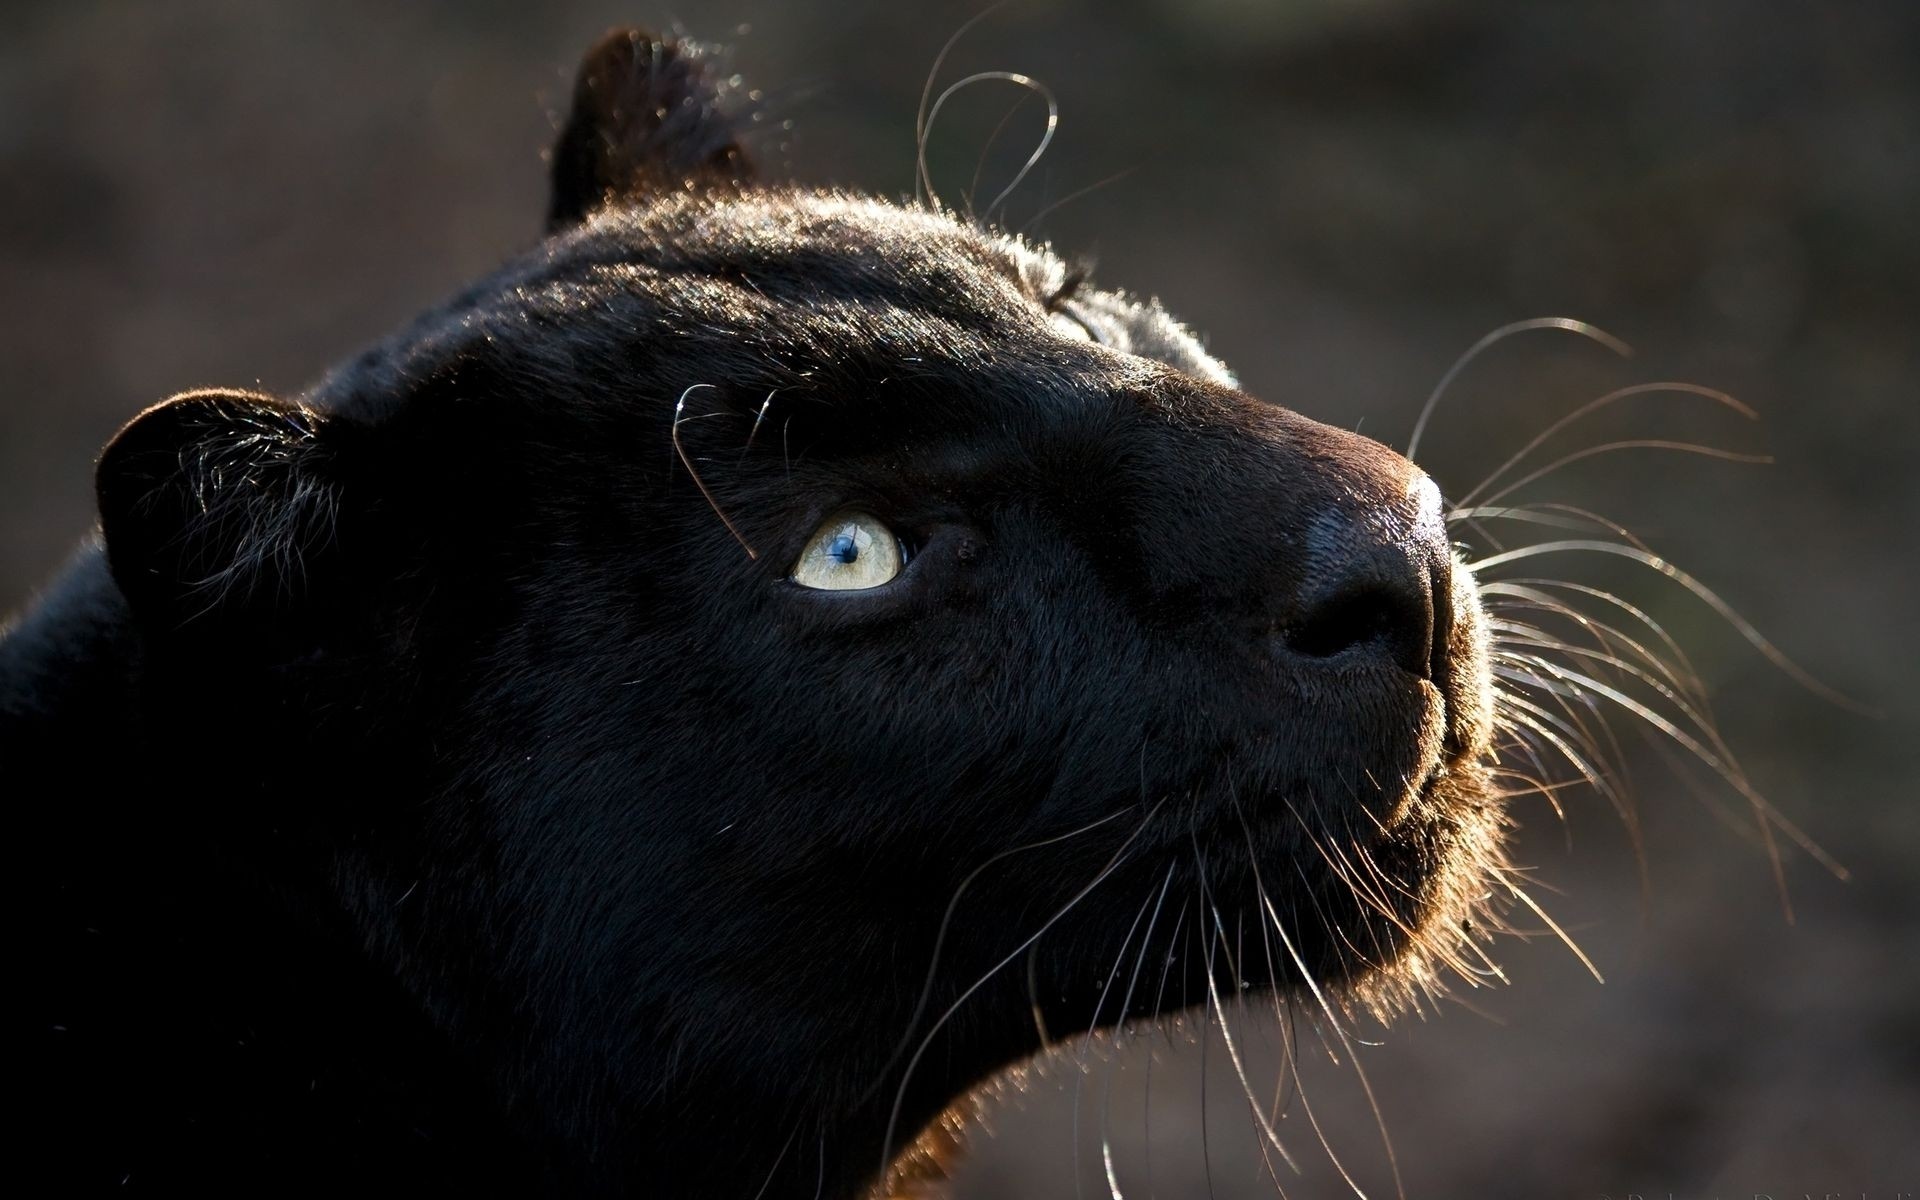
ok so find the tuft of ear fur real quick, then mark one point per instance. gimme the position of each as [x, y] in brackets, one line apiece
[647, 114]
[215, 500]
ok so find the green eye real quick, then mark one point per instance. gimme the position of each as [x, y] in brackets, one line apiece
[852, 551]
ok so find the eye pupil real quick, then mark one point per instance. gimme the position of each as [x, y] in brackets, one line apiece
[851, 551]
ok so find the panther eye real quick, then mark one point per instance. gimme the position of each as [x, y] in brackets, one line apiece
[1068, 325]
[850, 552]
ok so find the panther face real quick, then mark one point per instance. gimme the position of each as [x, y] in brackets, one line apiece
[753, 656]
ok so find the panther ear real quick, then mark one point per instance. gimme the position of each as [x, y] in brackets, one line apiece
[646, 115]
[216, 500]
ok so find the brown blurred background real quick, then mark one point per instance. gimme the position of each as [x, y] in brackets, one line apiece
[1343, 196]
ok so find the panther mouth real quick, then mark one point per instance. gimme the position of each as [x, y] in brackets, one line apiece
[1389, 888]
[1258, 896]
[1369, 901]
[1393, 909]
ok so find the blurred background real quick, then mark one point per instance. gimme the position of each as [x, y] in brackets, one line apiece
[1343, 197]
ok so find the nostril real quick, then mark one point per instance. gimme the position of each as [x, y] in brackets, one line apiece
[1344, 621]
[1375, 583]
[1397, 622]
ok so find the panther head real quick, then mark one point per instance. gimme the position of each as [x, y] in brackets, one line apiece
[768, 659]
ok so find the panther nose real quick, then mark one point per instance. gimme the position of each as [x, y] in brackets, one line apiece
[1380, 585]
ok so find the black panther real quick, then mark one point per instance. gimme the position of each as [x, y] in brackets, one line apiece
[685, 711]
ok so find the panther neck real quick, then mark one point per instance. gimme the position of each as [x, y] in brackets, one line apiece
[67, 715]
[186, 1028]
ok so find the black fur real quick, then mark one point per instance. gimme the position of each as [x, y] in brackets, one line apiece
[435, 782]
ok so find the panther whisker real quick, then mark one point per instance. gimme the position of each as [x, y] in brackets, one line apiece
[1477, 517]
[1535, 786]
[1166, 967]
[1613, 757]
[759, 417]
[922, 182]
[1375, 893]
[1239, 962]
[1546, 512]
[1122, 1028]
[1521, 740]
[1365, 891]
[1521, 895]
[1087, 1038]
[1518, 646]
[1264, 900]
[1742, 823]
[1039, 151]
[1677, 672]
[679, 411]
[900, 1095]
[946, 924]
[1359, 1071]
[1267, 1131]
[1680, 668]
[1372, 884]
[1661, 566]
[1042, 1037]
[1564, 324]
[1628, 444]
[778, 1159]
[1358, 887]
[1524, 670]
[1371, 891]
[1701, 721]
[1593, 406]
[1054, 206]
[1209, 1016]
[1767, 816]
[1514, 662]
[1276, 994]
[1728, 769]
[986, 149]
[1289, 1038]
[1541, 724]
[1523, 512]
[1146, 942]
[1174, 941]
[1717, 757]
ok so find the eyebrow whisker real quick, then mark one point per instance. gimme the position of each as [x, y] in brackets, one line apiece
[679, 415]
[759, 417]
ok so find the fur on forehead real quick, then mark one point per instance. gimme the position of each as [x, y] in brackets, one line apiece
[813, 244]
[796, 272]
